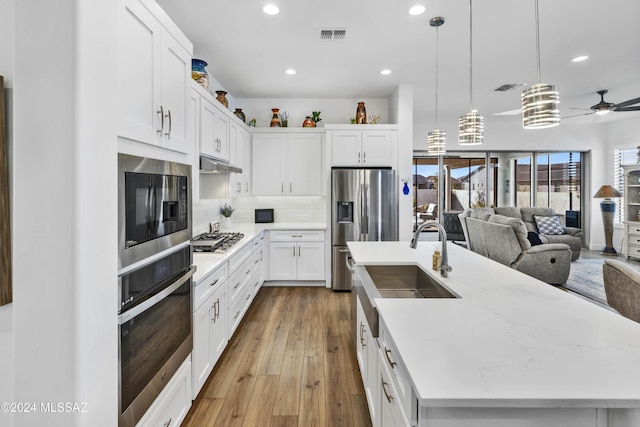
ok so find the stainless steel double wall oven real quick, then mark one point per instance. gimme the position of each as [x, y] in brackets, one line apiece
[154, 279]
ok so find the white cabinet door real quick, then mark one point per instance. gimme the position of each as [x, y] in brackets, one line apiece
[282, 261]
[246, 165]
[219, 329]
[176, 86]
[236, 158]
[391, 411]
[268, 163]
[202, 354]
[193, 139]
[377, 148]
[154, 77]
[208, 144]
[304, 165]
[221, 134]
[139, 45]
[310, 259]
[347, 146]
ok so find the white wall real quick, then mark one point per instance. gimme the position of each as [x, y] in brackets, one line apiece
[508, 135]
[6, 311]
[64, 210]
[402, 113]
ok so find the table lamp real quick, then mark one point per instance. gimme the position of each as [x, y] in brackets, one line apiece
[608, 209]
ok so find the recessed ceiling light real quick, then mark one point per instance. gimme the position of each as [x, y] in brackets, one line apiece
[290, 71]
[385, 72]
[271, 9]
[417, 10]
[580, 58]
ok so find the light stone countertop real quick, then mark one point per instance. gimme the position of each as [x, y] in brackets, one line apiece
[208, 262]
[509, 341]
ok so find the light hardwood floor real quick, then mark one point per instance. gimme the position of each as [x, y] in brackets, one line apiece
[290, 363]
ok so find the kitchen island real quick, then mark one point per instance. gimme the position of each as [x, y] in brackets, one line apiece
[510, 351]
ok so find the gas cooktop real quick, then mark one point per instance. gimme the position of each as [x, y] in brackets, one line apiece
[216, 242]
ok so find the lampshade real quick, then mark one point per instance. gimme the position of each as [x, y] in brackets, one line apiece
[436, 142]
[471, 128]
[607, 192]
[540, 102]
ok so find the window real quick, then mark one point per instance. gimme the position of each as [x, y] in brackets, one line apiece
[622, 156]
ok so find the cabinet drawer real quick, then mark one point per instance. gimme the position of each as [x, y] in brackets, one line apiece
[633, 239]
[238, 258]
[399, 376]
[296, 235]
[238, 279]
[634, 229]
[208, 285]
[257, 241]
[239, 306]
[633, 251]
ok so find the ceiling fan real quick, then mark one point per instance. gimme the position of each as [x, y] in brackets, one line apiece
[604, 107]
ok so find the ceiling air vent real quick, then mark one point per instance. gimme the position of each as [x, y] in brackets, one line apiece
[333, 34]
[509, 86]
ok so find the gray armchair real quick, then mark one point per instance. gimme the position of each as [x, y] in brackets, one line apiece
[622, 287]
[504, 239]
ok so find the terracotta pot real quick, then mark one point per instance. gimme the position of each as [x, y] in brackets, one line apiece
[308, 123]
[222, 98]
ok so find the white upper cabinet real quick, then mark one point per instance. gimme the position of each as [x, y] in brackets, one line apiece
[214, 130]
[154, 74]
[287, 164]
[351, 145]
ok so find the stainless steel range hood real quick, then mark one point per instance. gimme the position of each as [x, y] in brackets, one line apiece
[213, 165]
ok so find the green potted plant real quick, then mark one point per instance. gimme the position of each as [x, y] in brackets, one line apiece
[226, 210]
[315, 116]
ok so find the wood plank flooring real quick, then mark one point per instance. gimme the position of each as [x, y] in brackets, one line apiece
[291, 363]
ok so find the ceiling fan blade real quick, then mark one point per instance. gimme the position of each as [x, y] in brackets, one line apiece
[626, 103]
[577, 115]
[637, 108]
[577, 108]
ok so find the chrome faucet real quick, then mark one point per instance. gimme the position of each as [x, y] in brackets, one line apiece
[444, 267]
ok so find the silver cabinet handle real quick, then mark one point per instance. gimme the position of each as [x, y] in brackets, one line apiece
[364, 157]
[236, 316]
[294, 250]
[161, 112]
[236, 286]
[290, 187]
[239, 185]
[168, 423]
[358, 157]
[246, 187]
[248, 296]
[282, 189]
[214, 282]
[384, 389]
[168, 134]
[256, 261]
[362, 341]
[261, 255]
[391, 362]
[248, 271]
[298, 250]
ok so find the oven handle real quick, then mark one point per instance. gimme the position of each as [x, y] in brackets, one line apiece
[130, 314]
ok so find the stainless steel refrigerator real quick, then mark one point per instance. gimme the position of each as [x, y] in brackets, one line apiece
[364, 207]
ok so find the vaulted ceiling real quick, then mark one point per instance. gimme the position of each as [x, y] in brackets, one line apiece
[248, 51]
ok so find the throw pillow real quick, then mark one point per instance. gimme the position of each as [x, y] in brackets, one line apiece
[549, 224]
[534, 238]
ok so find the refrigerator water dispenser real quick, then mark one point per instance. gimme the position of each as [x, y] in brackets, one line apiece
[344, 212]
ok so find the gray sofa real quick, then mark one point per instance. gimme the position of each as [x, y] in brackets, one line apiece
[504, 239]
[622, 287]
[572, 236]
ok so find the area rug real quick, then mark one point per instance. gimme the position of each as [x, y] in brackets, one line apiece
[586, 279]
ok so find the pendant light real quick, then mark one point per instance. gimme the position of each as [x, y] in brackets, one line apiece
[540, 103]
[471, 125]
[436, 140]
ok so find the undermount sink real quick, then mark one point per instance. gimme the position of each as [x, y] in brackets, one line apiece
[406, 281]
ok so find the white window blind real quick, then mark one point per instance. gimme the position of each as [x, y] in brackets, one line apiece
[622, 156]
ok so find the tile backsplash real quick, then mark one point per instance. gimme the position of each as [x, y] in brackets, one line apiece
[286, 209]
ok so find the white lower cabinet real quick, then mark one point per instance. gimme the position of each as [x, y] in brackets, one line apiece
[367, 355]
[296, 255]
[171, 406]
[391, 411]
[210, 331]
[240, 287]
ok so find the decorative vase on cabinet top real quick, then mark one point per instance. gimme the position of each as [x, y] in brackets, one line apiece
[308, 123]
[361, 114]
[239, 114]
[275, 120]
[199, 74]
[222, 98]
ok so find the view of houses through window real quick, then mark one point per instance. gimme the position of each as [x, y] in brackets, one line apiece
[473, 180]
